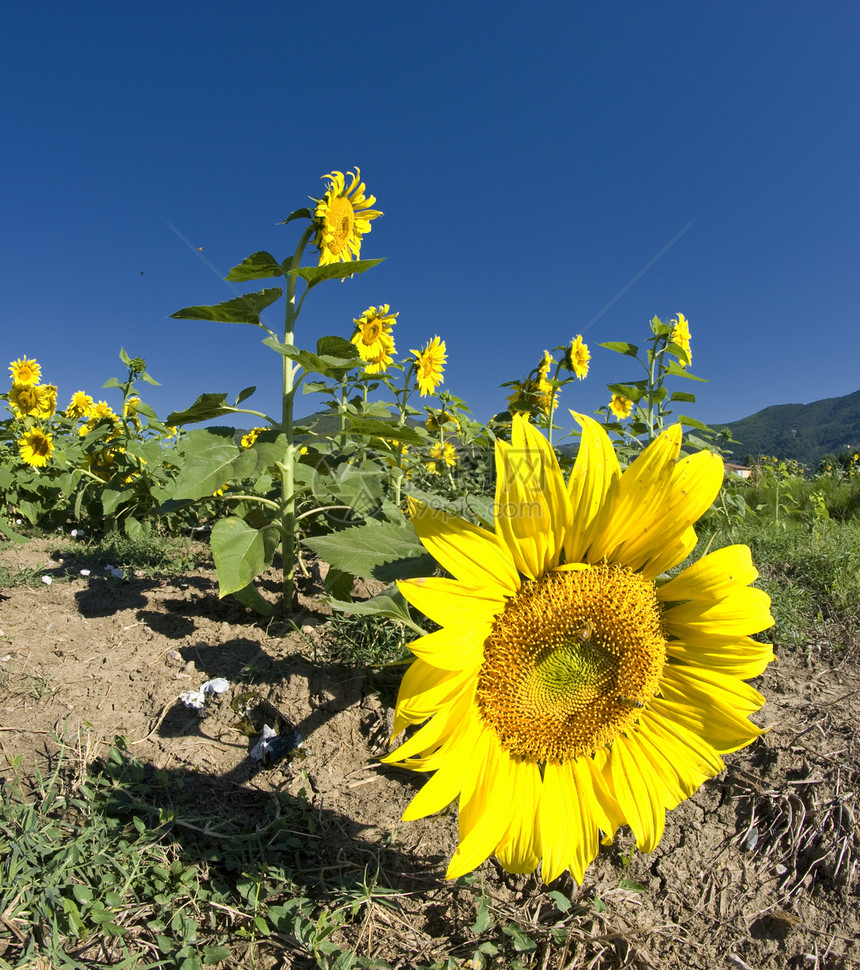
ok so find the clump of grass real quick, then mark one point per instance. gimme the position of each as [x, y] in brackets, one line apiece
[367, 641]
[153, 555]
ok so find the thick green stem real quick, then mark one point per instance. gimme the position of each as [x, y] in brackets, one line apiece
[288, 516]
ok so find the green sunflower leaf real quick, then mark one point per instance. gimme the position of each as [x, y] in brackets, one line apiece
[333, 271]
[692, 423]
[684, 396]
[630, 391]
[621, 347]
[364, 550]
[240, 552]
[205, 407]
[674, 369]
[257, 266]
[243, 309]
[304, 213]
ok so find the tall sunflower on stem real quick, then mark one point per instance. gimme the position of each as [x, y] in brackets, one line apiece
[570, 690]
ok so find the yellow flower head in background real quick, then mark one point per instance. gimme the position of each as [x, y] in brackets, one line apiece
[383, 360]
[250, 438]
[36, 447]
[577, 356]
[446, 453]
[342, 217]
[620, 406]
[437, 420]
[80, 406]
[429, 363]
[25, 371]
[681, 337]
[46, 400]
[372, 335]
[568, 690]
[23, 399]
[129, 412]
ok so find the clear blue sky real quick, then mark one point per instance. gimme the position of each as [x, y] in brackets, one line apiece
[530, 159]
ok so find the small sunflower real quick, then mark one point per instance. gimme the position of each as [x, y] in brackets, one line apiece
[372, 335]
[383, 360]
[25, 371]
[429, 365]
[250, 438]
[46, 400]
[24, 399]
[447, 454]
[577, 356]
[681, 337]
[620, 406]
[36, 447]
[569, 690]
[342, 217]
[80, 406]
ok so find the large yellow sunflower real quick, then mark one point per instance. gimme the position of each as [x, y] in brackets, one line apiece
[342, 216]
[429, 364]
[36, 447]
[570, 689]
[372, 335]
[25, 371]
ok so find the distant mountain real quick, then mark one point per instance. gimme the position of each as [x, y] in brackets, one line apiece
[805, 432]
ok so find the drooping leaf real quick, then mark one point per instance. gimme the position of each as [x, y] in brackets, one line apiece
[630, 391]
[674, 369]
[251, 597]
[304, 213]
[363, 549]
[240, 552]
[257, 266]
[244, 395]
[684, 396]
[242, 309]
[333, 271]
[208, 463]
[621, 347]
[692, 423]
[205, 407]
[334, 346]
[326, 365]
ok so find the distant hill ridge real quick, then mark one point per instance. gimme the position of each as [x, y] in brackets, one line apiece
[805, 432]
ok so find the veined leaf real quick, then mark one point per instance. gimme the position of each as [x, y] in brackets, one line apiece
[390, 604]
[363, 549]
[692, 423]
[243, 309]
[257, 266]
[326, 365]
[205, 407]
[334, 346]
[333, 271]
[240, 552]
[676, 370]
[304, 213]
[208, 465]
[630, 391]
[684, 396]
[621, 347]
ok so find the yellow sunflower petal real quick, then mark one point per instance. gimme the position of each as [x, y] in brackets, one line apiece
[486, 804]
[426, 689]
[639, 790]
[712, 577]
[694, 484]
[518, 851]
[470, 553]
[451, 603]
[591, 486]
[532, 507]
[743, 611]
[733, 656]
[674, 552]
[641, 490]
[446, 783]
[427, 748]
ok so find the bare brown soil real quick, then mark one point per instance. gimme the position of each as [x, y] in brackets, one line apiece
[758, 870]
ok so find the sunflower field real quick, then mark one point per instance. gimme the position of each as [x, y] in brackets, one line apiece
[577, 663]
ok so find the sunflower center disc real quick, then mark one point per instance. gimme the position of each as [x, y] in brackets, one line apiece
[570, 662]
[341, 217]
